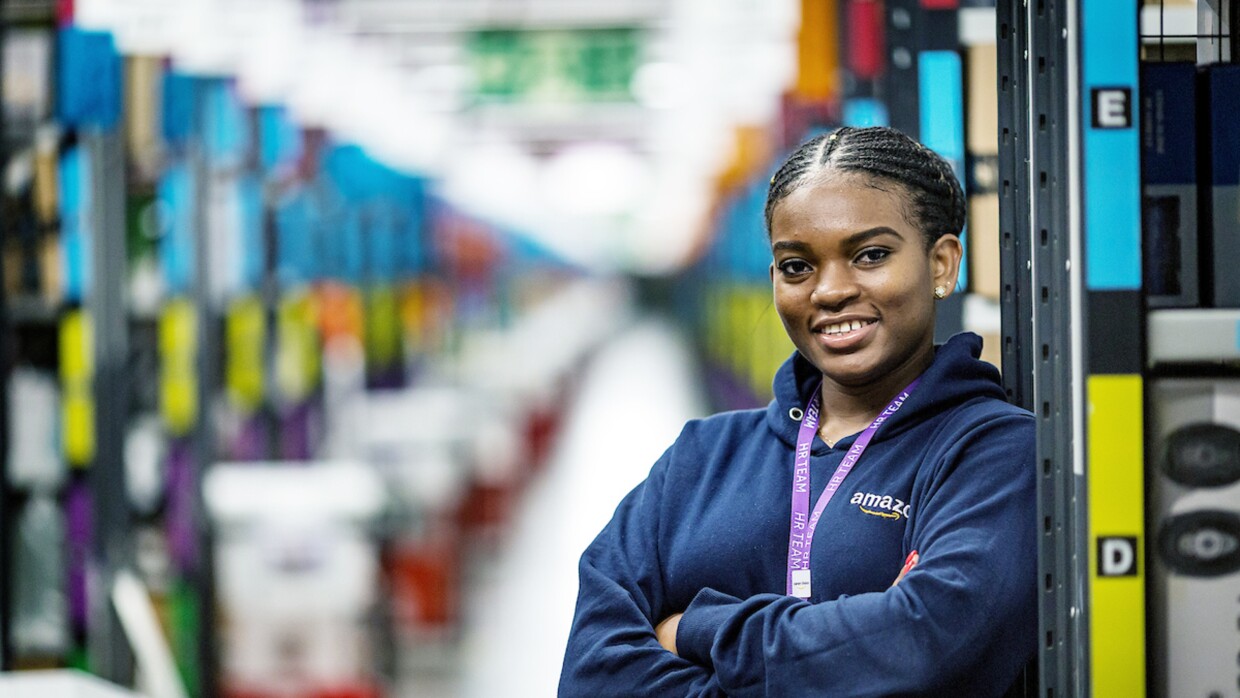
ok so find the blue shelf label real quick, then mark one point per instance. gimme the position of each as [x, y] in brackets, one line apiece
[1111, 156]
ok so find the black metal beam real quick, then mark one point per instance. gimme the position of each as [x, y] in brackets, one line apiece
[208, 335]
[1063, 558]
[1015, 279]
[1039, 259]
[112, 546]
[7, 522]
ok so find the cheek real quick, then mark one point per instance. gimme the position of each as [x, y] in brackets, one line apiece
[915, 308]
[790, 307]
[784, 299]
[905, 293]
[783, 309]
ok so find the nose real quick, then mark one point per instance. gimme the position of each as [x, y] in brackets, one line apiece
[835, 287]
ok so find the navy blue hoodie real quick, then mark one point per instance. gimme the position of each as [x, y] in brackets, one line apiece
[951, 475]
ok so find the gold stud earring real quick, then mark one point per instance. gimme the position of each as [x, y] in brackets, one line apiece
[940, 292]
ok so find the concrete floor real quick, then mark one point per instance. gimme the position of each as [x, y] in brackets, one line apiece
[634, 396]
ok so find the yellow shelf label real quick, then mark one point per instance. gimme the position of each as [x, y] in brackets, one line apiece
[78, 427]
[1116, 476]
[245, 336]
[77, 347]
[178, 362]
[297, 346]
[383, 333]
[77, 374]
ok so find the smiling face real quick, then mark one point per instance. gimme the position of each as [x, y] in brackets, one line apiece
[854, 282]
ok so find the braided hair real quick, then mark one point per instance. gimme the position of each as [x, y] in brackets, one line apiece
[935, 201]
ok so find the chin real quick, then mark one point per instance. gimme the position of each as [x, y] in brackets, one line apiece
[851, 379]
[848, 374]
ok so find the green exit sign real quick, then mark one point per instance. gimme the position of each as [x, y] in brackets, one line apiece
[545, 65]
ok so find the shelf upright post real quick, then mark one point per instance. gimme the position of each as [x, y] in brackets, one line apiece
[208, 370]
[1016, 290]
[1057, 328]
[111, 655]
[1040, 259]
[6, 516]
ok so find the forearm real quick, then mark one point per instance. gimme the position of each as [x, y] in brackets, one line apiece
[962, 620]
[612, 646]
[612, 668]
[613, 650]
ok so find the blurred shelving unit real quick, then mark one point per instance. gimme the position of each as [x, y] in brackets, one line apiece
[213, 269]
[30, 319]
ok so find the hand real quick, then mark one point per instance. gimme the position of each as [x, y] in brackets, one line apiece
[909, 563]
[666, 632]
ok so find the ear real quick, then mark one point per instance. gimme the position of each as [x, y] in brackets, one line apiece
[945, 257]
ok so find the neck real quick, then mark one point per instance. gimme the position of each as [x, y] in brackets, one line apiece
[847, 409]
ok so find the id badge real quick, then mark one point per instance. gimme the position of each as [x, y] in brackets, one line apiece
[800, 584]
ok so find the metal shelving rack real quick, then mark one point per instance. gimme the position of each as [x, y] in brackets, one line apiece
[110, 653]
[207, 375]
[111, 548]
[1038, 297]
[1073, 324]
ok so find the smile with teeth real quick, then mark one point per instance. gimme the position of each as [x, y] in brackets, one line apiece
[842, 327]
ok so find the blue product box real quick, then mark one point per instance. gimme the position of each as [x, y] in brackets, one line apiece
[1169, 190]
[1223, 146]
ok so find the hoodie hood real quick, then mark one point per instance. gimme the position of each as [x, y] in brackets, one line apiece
[956, 376]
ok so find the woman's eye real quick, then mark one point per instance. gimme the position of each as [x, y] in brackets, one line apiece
[793, 267]
[873, 255]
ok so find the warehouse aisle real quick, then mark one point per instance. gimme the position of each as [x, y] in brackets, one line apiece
[632, 400]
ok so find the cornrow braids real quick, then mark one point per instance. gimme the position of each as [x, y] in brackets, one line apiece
[788, 177]
[936, 204]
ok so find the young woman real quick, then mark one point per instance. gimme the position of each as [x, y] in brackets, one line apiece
[871, 532]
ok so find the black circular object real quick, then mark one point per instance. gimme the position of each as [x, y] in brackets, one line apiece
[1203, 455]
[1201, 543]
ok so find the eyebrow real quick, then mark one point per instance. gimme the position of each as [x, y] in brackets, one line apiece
[791, 245]
[867, 235]
[851, 241]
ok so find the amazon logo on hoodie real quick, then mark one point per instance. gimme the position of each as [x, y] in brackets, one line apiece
[885, 506]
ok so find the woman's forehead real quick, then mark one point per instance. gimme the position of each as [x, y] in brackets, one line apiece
[843, 199]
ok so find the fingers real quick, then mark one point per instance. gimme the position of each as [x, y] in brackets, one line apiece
[909, 563]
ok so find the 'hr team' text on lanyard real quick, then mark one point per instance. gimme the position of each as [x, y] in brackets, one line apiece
[801, 528]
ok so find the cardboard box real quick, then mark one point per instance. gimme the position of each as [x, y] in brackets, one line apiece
[982, 117]
[984, 273]
[981, 184]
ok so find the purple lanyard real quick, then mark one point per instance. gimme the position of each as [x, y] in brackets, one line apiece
[801, 528]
